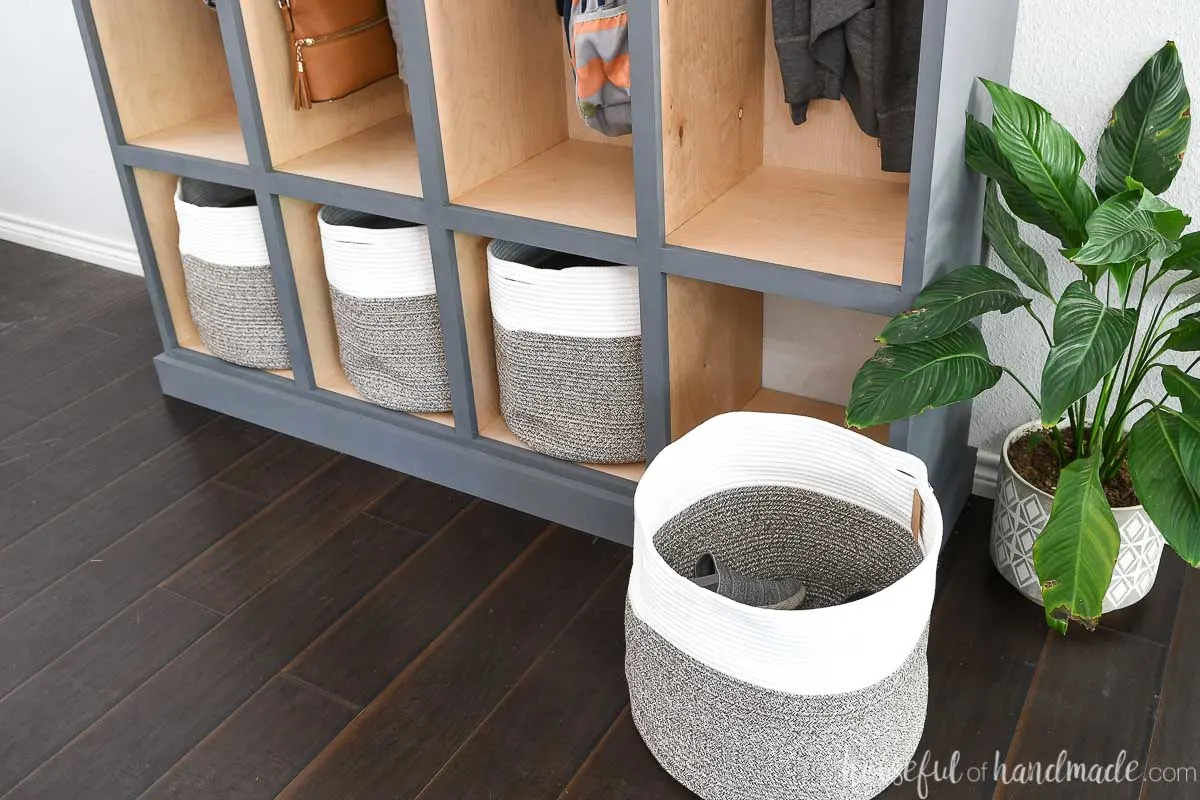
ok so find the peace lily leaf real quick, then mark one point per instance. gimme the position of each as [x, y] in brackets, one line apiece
[1183, 386]
[1123, 273]
[1148, 132]
[1076, 551]
[1161, 480]
[984, 156]
[1187, 258]
[951, 302]
[1185, 337]
[1168, 220]
[1089, 339]
[1045, 158]
[1121, 230]
[1001, 229]
[901, 381]
[1189, 447]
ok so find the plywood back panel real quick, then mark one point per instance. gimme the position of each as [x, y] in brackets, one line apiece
[157, 193]
[715, 335]
[477, 316]
[292, 133]
[165, 60]
[712, 100]
[308, 266]
[828, 141]
[497, 71]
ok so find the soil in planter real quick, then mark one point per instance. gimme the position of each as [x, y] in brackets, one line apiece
[1034, 458]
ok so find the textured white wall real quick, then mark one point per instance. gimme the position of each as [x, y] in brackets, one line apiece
[1075, 57]
[58, 184]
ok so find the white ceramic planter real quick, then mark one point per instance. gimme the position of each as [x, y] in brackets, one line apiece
[1022, 511]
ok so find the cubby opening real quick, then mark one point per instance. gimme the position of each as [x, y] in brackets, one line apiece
[481, 347]
[157, 193]
[733, 349]
[312, 289]
[741, 180]
[170, 79]
[512, 138]
[363, 139]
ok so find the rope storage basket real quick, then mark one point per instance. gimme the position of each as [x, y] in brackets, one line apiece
[228, 274]
[385, 309]
[568, 353]
[825, 702]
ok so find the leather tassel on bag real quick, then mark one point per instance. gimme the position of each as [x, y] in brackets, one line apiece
[341, 46]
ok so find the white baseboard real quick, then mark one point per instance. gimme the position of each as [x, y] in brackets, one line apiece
[110, 253]
[987, 474]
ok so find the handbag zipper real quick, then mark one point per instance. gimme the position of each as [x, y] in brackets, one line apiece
[303, 97]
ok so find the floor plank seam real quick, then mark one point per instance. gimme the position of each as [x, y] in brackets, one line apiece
[160, 587]
[266, 501]
[80, 319]
[583, 766]
[337, 698]
[457, 514]
[533, 665]
[1030, 693]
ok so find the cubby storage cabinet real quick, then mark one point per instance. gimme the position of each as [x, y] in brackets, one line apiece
[716, 198]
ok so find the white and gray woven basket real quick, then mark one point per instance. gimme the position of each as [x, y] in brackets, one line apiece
[568, 353]
[826, 702]
[228, 274]
[385, 308]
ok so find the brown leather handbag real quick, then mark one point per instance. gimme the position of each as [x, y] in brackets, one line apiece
[341, 46]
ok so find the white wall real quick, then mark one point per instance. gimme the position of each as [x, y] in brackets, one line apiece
[1075, 57]
[58, 185]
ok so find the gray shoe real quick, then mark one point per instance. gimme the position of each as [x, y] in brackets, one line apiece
[779, 595]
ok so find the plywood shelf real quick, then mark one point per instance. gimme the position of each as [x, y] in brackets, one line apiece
[383, 157]
[216, 136]
[577, 183]
[773, 402]
[498, 431]
[852, 227]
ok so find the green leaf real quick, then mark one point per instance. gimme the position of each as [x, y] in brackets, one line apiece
[1123, 274]
[1147, 134]
[984, 156]
[1168, 220]
[1185, 336]
[1189, 447]
[1076, 551]
[951, 302]
[1121, 229]
[903, 380]
[1089, 339]
[1161, 480]
[1045, 158]
[1183, 386]
[1001, 229]
[1187, 258]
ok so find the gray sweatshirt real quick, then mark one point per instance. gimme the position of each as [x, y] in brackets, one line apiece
[866, 50]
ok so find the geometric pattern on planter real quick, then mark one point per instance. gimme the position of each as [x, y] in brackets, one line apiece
[1021, 513]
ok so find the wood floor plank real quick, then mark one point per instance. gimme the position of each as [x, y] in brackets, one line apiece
[140, 739]
[421, 506]
[34, 562]
[55, 619]
[1154, 617]
[59, 702]
[380, 636]
[258, 750]
[984, 644]
[398, 743]
[225, 576]
[621, 767]
[51, 438]
[50, 355]
[1176, 740]
[52, 490]
[12, 421]
[1095, 696]
[541, 733]
[64, 386]
[124, 317]
[276, 467]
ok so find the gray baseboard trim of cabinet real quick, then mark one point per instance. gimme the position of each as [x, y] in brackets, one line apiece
[571, 495]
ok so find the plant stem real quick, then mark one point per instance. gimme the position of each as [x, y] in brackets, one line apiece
[1041, 325]
[1021, 383]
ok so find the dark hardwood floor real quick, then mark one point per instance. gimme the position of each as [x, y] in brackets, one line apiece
[196, 608]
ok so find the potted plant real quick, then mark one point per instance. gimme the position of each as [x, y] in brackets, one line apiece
[1101, 486]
